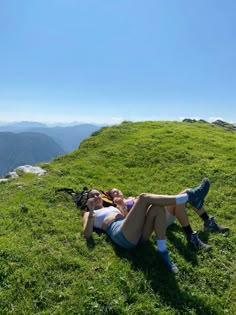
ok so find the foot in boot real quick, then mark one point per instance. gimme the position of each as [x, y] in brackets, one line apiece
[211, 226]
[195, 241]
[197, 195]
[165, 256]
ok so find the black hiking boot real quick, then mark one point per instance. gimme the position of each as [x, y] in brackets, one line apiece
[211, 226]
[195, 241]
[197, 195]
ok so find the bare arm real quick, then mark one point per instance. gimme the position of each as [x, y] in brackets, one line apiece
[87, 225]
[120, 204]
[88, 219]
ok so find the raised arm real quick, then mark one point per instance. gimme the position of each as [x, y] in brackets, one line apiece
[120, 204]
[88, 219]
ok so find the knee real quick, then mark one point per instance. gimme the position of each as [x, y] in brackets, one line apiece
[144, 200]
[157, 210]
[143, 197]
[171, 209]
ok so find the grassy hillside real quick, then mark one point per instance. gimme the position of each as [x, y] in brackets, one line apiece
[46, 267]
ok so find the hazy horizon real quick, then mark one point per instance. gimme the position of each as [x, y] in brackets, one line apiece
[74, 123]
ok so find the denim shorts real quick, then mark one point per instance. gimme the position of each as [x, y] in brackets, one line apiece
[117, 236]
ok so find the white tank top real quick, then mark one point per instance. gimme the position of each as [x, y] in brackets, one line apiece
[101, 214]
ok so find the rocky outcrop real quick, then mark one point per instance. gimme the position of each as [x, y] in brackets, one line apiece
[188, 120]
[25, 169]
[31, 169]
[218, 122]
[224, 124]
[11, 175]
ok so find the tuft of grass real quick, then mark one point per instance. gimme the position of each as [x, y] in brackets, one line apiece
[46, 266]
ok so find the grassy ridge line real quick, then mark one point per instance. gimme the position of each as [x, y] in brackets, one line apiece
[46, 268]
[168, 152]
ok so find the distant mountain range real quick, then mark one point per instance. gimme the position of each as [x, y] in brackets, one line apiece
[32, 142]
[68, 138]
[20, 125]
[25, 148]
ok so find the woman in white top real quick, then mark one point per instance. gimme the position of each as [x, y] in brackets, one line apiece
[147, 215]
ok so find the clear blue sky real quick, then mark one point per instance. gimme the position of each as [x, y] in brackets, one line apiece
[114, 60]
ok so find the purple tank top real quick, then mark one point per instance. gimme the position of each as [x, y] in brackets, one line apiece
[129, 203]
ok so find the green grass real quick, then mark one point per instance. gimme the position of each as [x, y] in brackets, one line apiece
[47, 267]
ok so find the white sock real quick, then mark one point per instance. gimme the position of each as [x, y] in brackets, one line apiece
[181, 199]
[161, 245]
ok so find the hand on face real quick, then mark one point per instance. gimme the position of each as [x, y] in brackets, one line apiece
[116, 193]
[94, 203]
[91, 203]
[94, 200]
[119, 201]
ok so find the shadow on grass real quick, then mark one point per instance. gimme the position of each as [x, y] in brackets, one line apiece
[90, 243]
[174, 234]
[144, 258]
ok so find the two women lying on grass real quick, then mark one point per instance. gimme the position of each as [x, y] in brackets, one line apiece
[178, 211]
[147, 214]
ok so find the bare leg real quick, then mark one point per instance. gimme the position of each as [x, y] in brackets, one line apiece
[134, 222]
[155, 217]
[140, 223]
[180, 212]
[199, 211]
